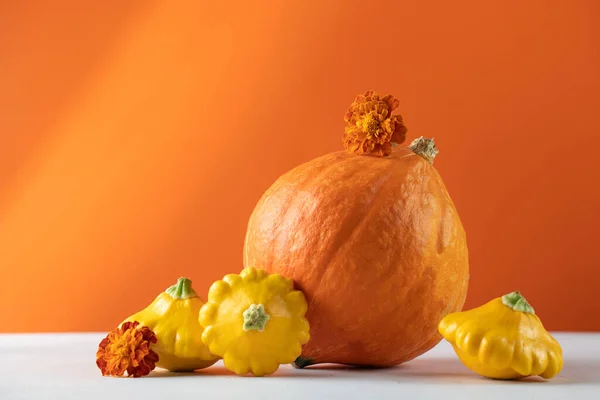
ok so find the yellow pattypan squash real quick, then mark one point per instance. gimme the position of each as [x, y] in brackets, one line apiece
[503, 339]
[254, 321]
[173, 317]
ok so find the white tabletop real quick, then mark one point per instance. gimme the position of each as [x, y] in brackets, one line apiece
[62, 366]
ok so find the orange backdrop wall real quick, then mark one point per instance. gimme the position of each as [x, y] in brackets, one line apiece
[136, 138]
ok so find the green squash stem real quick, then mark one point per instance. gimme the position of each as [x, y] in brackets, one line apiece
[517, 302]
[182, 289]
[255, 318]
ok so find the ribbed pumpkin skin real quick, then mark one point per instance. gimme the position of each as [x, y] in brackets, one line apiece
[377, 247]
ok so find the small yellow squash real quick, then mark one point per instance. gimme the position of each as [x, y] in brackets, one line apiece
[503, 339]
[254, 321]
[173, 317]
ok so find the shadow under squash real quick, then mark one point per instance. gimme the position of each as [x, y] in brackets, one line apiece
[427, 370]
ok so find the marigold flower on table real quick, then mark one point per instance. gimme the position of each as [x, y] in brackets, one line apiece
[371, 127]
[127, 348]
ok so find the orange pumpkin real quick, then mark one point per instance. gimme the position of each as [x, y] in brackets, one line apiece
[373, 240]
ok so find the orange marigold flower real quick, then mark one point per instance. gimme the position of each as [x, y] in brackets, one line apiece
[127, 349]
[372, 129]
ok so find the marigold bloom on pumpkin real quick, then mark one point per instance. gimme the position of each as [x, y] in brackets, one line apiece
[372, 129]
[127, 349]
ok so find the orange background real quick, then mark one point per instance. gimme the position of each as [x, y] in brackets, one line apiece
[136, 138]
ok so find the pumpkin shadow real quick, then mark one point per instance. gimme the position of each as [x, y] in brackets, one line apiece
[452, 371]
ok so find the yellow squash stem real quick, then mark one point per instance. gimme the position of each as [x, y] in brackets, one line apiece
[181, 290]
[503, 339]
[517, 302]
[255, 318]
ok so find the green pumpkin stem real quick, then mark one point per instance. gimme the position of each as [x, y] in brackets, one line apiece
[182, 289]
[517, 302]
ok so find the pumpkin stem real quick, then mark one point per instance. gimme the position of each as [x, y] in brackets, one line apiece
[181, 290]
[425, 148]
[517, 302]
[302, 362]
[255, 318]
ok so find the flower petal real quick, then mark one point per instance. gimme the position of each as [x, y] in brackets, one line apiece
[371, 127]
[127, 348]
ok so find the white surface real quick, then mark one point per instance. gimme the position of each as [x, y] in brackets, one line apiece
[50, 366]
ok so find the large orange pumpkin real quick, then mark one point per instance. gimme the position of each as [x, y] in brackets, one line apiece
[373, 240]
